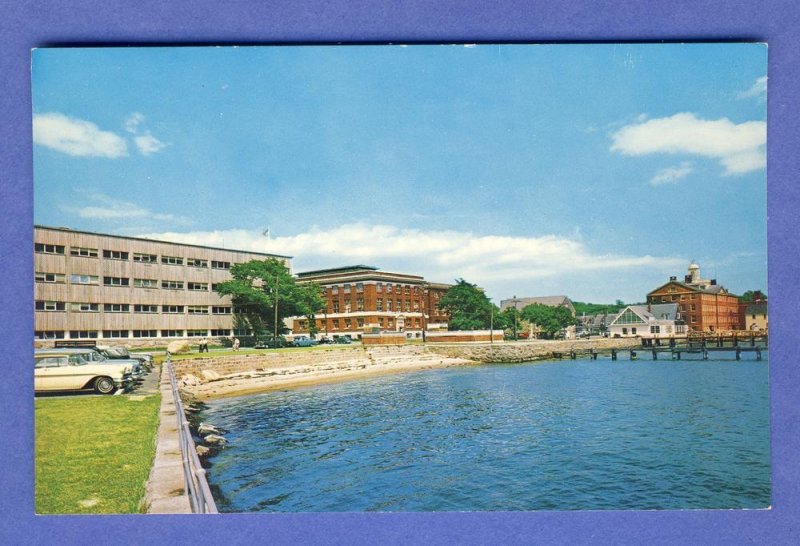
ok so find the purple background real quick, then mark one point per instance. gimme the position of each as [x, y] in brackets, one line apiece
[27, 24]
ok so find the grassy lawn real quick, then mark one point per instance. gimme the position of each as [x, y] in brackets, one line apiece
[93, 453]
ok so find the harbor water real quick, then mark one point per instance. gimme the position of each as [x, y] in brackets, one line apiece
[563, 435]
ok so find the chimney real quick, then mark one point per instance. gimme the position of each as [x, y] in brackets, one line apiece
[673, 278]
[713, 282]
[687, 279]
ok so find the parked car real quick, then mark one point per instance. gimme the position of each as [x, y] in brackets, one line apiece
[303, 341]
[325, 340]
[115, 353]
[70, 372]
[343, 339]
[93, 356]
[271, 342]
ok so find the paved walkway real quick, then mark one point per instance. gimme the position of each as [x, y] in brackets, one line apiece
[165, 492]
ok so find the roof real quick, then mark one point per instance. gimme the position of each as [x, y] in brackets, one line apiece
[70, 230]
[759, 308]
[708, 289]
[552, 301]
[345, 269]
[658, 311]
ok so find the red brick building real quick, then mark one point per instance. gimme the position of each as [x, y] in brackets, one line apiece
[361, 299]
[703, 304]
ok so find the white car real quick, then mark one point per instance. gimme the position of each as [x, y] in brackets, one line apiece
[69, 372]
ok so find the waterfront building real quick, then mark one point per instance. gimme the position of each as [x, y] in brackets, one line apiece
[593, 325]
[648, 321]
[550, 301]
[703, 304]
[362, 299]
[753, 316]
[130, 290]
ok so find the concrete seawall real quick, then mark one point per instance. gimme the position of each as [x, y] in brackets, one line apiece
[241, 374]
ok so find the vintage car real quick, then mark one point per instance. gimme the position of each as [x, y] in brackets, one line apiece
[116, 353]
[55, 371]
[93, 356]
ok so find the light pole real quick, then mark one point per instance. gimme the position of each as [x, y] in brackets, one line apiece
[515, 301]
[277, 276]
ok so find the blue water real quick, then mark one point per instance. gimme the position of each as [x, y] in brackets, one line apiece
[566, 435]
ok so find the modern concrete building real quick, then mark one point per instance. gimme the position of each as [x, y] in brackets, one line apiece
[361, 299]
[703, 304]
[133, 291]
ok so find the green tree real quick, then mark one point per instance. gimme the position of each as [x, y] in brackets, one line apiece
[469, 308]
[753, 295]
[264, 293]
[549, 319]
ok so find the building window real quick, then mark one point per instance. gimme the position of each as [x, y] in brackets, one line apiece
[140, 308]
[359, 287]
[84, 252]
[334, 289]
[115, 255]
[388, 288]
[348, 324]
[215, 287]
[42, 248]
[694, 307]
[145, 283]
[196, 333]
[379, 305]
[49, 334]
[201, 286]
[198, 309]
[221, 310]
[55, 306]
[83, 279]
[336, 307]
[379, 287]
[116, 308]
[172, 285]
[389, 305]
[220, 265]
[115, 333]
[171, 260]
[84, 307]
[171, 333]
[221, 333]
[360, 304]
[83, 334]
[145, 333]
[624, 331]
[50, 277]
[172, 309]
[196, 262]
[145, 258]
[633, 331]
[335, 324]
[346, 289]
[115, 281]
[408, 306]
[360, 322]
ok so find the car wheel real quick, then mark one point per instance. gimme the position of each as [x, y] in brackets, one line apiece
[104, 385]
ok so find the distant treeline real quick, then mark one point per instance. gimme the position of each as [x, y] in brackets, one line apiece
[583, 308]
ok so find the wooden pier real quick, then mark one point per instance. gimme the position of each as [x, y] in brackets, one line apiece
[696, 344]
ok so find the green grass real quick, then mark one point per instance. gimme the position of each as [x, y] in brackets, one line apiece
[94, 453]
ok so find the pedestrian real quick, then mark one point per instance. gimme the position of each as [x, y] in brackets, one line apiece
[236, 344]
[203, 345]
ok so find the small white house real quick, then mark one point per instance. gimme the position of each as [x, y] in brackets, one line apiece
[648, 321]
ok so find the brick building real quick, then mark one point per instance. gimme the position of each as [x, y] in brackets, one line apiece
[363, 299]
[703, 304]
[134, 291]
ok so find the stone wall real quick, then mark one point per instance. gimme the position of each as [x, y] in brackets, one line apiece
[526, 351]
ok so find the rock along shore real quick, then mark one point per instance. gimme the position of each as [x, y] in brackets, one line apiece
[234, 375]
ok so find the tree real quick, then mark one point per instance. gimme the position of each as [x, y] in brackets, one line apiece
[549, 319]
[264, 293]
[468, 307]
[753, 295]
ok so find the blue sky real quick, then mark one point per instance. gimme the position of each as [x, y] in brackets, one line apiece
[595, 171]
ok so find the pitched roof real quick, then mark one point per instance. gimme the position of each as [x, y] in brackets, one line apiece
[552, 301]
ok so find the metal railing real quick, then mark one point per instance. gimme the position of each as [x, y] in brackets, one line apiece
[194, 474]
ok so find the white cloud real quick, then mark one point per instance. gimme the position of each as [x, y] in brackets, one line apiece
[758, 89]
[438, 255]
[148, 144]
[740, 148]
[107, 208]
[671, 175]
[133, 121]
[76, 137]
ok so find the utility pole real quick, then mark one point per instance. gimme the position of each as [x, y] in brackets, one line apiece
[277, 276]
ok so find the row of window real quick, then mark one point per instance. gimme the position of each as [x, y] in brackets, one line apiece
[60, 278]
[140, 257]
[399, 305]
[118, 334]
[78, 307]
[379, 287]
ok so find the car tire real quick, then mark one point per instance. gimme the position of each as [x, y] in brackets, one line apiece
[104, 385]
